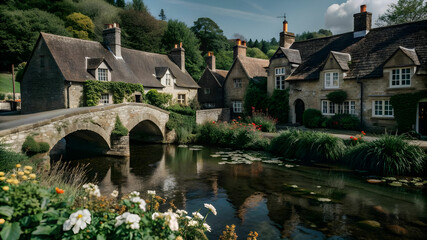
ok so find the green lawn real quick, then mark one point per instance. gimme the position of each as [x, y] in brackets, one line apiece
[6, 84]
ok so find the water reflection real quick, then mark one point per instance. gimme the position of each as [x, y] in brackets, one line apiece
[253, 197]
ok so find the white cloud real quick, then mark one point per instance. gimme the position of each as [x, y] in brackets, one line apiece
[339, 17]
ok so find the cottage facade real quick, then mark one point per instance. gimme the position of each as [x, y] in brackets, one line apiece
[369, 64]
[59, 66]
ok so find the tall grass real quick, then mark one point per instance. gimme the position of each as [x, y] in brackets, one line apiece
[9, 159]
[308, 146]
[389, 155]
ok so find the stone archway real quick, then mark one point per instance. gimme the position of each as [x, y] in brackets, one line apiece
[299, 110]
[146, 131]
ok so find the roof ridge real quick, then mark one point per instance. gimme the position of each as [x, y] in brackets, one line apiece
[73, 38]
[136, 50]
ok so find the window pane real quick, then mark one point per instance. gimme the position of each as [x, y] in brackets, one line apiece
[327, 79]
[335, 80]
[346, 107]
[395, 77]
[388, 109]
[378, 108]
[352, 107]
[406, 76]
[102, 74]
[331, 108]
[324, 107]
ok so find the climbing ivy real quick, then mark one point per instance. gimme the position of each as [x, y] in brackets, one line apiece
[119, 130]
[337, 97]
[405, 109]
[92, 90]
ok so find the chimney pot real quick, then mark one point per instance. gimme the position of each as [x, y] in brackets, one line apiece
[180, 44]
[244, 43]
[363, 8]
[210, 61]
[176, 45]
[238, 42]
[285, 26]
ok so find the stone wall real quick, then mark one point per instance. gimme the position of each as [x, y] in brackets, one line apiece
[210, 115]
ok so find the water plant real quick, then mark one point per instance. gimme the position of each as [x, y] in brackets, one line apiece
[389, 155]
[308, 146]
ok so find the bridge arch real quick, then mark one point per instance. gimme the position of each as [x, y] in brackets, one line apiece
[147, 124]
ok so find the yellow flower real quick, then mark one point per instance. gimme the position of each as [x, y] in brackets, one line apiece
[34, 181]
[2, 178]
[33, 176]
[20, 173]
[15, 181]
[18, 165]
[5, 188]
[24, 177]
[13, 175]
[178, 238]
[2, 221]
[27, 172]
[1, 174]
[9, 180]
[29, 168]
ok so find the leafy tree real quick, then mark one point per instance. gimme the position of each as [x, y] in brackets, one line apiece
[62, 8]
[250, 43]
[265, 46]
[270, 53]
[311, 35]
[112, 2]
[141, 31]
[179, 32]
[19, 31]
[274, 42]
[255, 53]
[120, 3]
[257, 44]
[210, 35]
[81, 26]
[224, 59]
[138, 5]
[403, 11]
[162, 15]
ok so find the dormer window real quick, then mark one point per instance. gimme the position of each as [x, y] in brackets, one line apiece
[400, 77]
[332, 80]
[280, 78]
[102, 74]
[168, 79]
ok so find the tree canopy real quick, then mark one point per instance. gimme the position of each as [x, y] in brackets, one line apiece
[210, 35]
[403, 11]
[81, 26]
[310, 35]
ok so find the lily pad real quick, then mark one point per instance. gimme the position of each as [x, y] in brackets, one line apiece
[395, 184]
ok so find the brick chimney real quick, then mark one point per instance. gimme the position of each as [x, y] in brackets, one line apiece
[362, 22]
[210, 61]
[286, 38]
[111, 38]
[177, 55]
[239, 49]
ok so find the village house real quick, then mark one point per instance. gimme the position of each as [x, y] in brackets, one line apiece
[369, 64]
[210, 94]
[243, 70]
[59, 66]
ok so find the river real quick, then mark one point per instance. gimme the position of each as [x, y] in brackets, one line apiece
[258, 193]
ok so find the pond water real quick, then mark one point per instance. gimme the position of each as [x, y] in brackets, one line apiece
[258, 193]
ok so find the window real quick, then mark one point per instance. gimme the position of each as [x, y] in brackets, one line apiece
[102, 74]
[330, 108]
[280, 78]
[400, 77]
[382, 108]
[207, 91]
[331, 80]
[237, 106]
[181, 98]
[168, 79]
[105, 99]
[237, 83]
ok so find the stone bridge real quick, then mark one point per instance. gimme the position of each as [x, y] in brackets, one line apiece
[90, 128]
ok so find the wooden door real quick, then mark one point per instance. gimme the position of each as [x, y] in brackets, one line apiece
[299, 110]
[422, 118]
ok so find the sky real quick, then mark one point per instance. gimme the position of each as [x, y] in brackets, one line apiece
[260, 19]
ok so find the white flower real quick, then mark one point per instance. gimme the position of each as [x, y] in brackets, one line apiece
[156, 215]
[171, 220]
[140, 201]
[181, 212]
[188, 217]
[79, 220]
[192, 223]
[132, 220]
[211, 208]
[134, 194]
[197, 215]
[142, 205]
[208, 228]
[92, 189]
[115, 193]
[151, 192]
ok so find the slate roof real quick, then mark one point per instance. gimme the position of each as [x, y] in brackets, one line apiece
[368, 54]
[342, 59]
[254, 67]
[292, 55]
[134, 66]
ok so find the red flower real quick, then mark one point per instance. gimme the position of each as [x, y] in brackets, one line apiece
[59, 191]
[351, 137]
[213, 122]
[363, 132]
[355, 139]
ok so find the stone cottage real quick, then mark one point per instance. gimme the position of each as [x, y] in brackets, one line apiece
[369, 64]
[59, 66]
[242, 71]
[210, 94]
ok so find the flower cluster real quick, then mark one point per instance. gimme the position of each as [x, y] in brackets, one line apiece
[134, 197]
[18, 175]
[131, 220]
[358, 137]
[92, 189]
[77, 221]
[170, 218]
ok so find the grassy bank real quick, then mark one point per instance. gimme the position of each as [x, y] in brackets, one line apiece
[6, 84]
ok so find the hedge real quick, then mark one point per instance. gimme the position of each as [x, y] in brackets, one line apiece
[405, 109]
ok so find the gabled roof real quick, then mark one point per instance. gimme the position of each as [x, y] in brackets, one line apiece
[219, 75]
[292, 55]
[93, 63]
[368, 54]
[134, 66]
[342, 59]
[254, 67]
[161, 71]
[411, 54]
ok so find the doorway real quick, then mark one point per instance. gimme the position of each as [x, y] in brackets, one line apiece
[299, 110]
[138, 98]
[422, 118]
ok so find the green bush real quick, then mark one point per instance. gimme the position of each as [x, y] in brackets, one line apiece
[30, 146]
[388, 155]
[119, 130]
[177, 108]
[158, 99]
[312, 118]
[345, 121]
[279, 105]
[308, 146]
[405, 109]
[184, 125]
[2, 96]
[263, 121]
[337, 97]
[255, 96]
[44, 147]
[9, 159]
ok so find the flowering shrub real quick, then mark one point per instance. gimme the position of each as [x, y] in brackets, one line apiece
[235, 134]
[264, 122]
[355, 140]
[31, 211]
